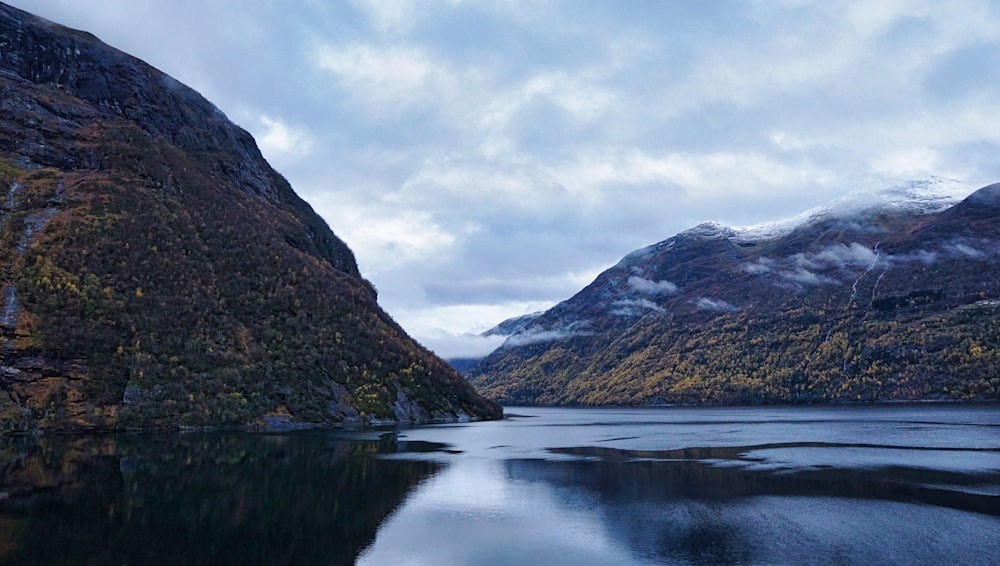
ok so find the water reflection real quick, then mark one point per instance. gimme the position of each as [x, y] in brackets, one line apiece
[694, 512]
[621, 511]
[726, 473]
[197, 499]
[571, 486]
[599, 487]
[474, 513]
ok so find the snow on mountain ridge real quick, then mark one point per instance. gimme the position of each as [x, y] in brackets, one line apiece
[924, 196]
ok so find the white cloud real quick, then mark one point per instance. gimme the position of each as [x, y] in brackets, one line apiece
[534, 336]
[836, 256]
[279, 142]
[917, 162]
[577, 95]
[759, 267]
[801, 268]
[705, 303]
[385, 79]
[395, 239]
[806, 277]
[923, 256]
[493, 147]
[392, 68]
[450, 346]
[512, 186]
[454, 331]
[867, 19]
[963, 249]
[650, 287]
[786, 141]
[633, 307]
[389, 16]
[486, 316]
[703, 177]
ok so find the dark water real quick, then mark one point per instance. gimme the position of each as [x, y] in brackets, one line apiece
[844, 485]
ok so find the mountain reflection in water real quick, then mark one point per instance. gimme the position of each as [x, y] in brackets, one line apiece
[686, 511]
[214, 498]
[802, 485]
[920, 485]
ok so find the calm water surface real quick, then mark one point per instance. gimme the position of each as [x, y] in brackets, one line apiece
[799, 485]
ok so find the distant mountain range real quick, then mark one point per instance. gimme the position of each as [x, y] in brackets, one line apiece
[885, 296]
[157, 273]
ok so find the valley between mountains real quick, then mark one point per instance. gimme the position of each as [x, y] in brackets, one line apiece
[157, 274]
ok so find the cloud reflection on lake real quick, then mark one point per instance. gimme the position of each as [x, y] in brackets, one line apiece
[642, 486]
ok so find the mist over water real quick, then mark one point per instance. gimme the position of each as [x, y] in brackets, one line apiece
[900, 484]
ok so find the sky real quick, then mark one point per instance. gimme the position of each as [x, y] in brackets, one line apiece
[486, 159]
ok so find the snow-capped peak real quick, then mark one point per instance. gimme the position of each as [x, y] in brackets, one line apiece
[925, 196]
[710, 230]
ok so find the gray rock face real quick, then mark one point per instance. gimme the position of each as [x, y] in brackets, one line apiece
[77, 63]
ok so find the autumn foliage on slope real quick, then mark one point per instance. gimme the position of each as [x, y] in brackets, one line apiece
[883, 305]
[156, 272]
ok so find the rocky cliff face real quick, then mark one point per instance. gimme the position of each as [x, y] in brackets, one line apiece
[156, 272]
[894, 296]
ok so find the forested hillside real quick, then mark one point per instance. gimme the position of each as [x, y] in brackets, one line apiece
[895, 300]
[157, 273]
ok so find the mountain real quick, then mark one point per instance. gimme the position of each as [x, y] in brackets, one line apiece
[156, 272]
[875, 297]
[514, 325]
[502, 330]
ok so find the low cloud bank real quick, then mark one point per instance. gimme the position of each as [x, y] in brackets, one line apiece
[717, 305]
[837, 255]
[651, 287]
[452, 346]
[633, 307]
[821, 268]
[536, 335]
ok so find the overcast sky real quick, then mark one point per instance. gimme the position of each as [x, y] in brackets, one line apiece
[486, 159]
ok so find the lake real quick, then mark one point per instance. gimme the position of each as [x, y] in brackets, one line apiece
[896, 484]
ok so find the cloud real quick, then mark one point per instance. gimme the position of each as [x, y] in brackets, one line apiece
[398, 238]
[801, 268]
[761, 266]
[633, 307]
[836, 256]
[807, 268]
[473, 287]
[536, 335]
[915, 162]
[962, 249]
[491, 153]
[650, 287]
[959, 248]
[389, 16]
[718, 305]
[806, 277]
[280, 142]
[698, 176]
[923, 256]
[573, 96]
[455, 331]
[388, 78]
[453, 346]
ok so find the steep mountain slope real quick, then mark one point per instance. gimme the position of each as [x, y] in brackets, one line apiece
[156, 272]
[892, 296]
